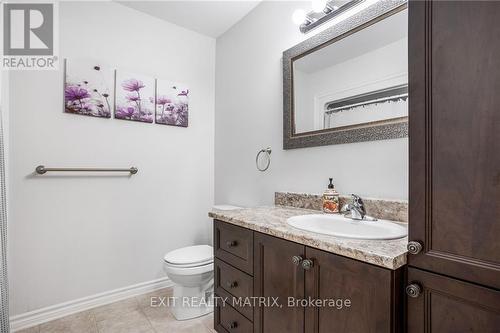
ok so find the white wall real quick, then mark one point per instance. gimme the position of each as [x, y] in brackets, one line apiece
[73, 236]
[249, 117]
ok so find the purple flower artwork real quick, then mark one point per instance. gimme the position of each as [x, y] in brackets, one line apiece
[134, 97]
[87, 88]
[172, 101]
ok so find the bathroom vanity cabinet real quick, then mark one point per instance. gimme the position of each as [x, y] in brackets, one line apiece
[454, 229]
[356, 296]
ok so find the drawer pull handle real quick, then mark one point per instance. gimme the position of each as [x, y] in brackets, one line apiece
[296, 260]
[307, 264]
[232, 325]
[414, 247]
[413, 290]
[231, 285]
[231, 244]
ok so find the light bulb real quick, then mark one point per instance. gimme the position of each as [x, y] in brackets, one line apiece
[318, 5]
[299, 16]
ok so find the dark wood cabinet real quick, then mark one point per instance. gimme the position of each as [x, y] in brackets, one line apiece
[227, 319]
[234, 245]
[454, 124]
[232, 285]
[450, 305]
[233, 278]
[354, 296]
[454, 80]
[332, 294]
[368, 298]
[275, 276]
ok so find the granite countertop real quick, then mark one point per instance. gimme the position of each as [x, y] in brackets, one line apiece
[271, 220]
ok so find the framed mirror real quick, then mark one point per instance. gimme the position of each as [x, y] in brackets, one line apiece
[349, 83]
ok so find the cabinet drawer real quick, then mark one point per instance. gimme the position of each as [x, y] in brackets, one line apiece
[234, 245]
[234, 285]
[227, 319]
[232, 280]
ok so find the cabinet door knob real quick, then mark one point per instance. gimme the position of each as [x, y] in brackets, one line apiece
[231, 285]
[413, 290]
[296, 260]
[414, 247]
[232, 324]
[307, 264]
[231, 243]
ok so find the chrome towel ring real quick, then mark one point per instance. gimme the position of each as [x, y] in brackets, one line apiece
[267, 151]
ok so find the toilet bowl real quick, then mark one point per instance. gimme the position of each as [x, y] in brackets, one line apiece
[191, 269]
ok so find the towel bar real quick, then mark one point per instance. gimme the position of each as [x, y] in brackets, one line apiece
[42, 170]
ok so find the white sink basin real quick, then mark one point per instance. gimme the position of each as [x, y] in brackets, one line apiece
[340, 226]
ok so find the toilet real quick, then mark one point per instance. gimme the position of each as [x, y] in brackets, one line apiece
[191, 269]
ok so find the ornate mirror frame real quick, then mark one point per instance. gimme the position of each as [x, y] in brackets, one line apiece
[390, 129]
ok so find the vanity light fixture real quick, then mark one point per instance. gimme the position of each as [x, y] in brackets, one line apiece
[329, 9]
[322, 11]
[299, 16]
[318, 6]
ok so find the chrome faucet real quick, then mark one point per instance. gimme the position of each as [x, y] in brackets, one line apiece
[355, 210]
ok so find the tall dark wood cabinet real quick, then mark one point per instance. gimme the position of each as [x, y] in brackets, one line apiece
[451, 305]
[454, 224]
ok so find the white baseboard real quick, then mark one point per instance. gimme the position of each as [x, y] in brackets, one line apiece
[49, 313]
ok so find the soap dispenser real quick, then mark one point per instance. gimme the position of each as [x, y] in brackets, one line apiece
[331, 199]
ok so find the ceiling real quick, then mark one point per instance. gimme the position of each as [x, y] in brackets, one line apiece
[211, 18]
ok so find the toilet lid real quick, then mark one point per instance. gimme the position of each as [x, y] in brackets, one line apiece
[192, 255]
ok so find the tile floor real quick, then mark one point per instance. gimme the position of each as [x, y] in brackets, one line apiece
[133, 315]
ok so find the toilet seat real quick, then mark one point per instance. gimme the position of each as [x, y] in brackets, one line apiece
[190, 260]
[190, 257]
[179, 271]
[189, 265]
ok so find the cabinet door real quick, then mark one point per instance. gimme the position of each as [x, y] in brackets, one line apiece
[275, 275]
[371, 292]
[448, 305]
[454, 138]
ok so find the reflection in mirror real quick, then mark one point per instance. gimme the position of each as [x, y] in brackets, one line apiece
[354, 82]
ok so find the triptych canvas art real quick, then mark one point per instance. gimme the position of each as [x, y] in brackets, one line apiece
[96, 90]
